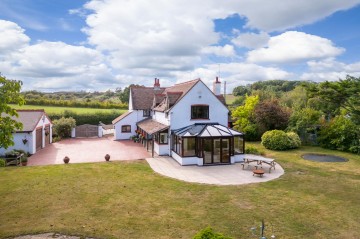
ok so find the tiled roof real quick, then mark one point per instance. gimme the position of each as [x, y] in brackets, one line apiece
[143, 97]
[222, 99]
[151, 126]
[29, 119]
[121, 117]
[175, 94]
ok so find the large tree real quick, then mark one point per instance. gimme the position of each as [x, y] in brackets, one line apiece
[9, 93]
[342, 94]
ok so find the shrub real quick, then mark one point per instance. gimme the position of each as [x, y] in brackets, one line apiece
[279, 140]
[253, 150]
[340, 134]
[63, 126]
[2, 162]
[294, 139]
[88, 118]
[208, 233]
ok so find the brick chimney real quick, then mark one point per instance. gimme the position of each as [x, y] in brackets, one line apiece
[217, 86]
[157, 84]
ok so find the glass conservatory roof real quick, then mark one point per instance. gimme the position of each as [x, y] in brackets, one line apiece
[206, 130]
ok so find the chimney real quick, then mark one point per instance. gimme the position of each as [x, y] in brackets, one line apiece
[217, 86]
[157, 84]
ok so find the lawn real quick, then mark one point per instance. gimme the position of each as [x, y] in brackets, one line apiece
[59, 110]
[128, 200]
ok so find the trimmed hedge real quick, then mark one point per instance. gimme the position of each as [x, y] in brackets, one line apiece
[279, 140]
[91, 118]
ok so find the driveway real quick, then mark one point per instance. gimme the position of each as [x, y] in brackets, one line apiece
[86, 150]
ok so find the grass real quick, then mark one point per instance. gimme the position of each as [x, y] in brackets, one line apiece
[128, 200]
[59, 110]
[230, 98]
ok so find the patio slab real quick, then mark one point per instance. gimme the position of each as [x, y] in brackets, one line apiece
[86, 150]
[217, 175]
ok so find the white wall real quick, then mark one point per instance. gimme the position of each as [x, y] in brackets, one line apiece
[187, 160]
[131, 119]
[18, 140]
[180, 115]
[161, 149]
[161, 117]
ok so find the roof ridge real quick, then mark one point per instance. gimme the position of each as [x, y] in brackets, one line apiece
[187, 82]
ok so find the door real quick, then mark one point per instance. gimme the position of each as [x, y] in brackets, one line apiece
[38, 139]
[47, 135]
[207, 151]
[225, 150]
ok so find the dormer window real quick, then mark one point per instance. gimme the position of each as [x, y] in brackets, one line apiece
[199, 112]
[146, 113]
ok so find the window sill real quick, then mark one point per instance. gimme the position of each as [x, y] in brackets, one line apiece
[200, 119]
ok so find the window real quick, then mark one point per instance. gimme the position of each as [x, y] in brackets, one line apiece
[146, 113]
[163, 139]
[238, 145]
[199, 112]
[189, 147]
[125, 128]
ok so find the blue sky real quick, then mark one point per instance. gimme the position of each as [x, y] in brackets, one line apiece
[104, 44]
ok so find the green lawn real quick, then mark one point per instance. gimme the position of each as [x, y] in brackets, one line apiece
[58, 110]
[230, 98]
[128, 200]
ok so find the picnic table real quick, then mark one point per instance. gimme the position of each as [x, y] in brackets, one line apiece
[260, 160]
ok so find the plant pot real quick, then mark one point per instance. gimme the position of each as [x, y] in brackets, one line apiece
[66, 159]
[23, 163]
[107, 157]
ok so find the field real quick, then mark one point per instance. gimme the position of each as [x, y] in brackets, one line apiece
[59, 110]
[129, 200]
[230, 99]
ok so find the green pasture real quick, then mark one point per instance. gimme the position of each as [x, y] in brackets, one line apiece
[129, 200]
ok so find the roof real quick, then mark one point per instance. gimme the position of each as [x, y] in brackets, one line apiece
[121, 117]
[151, 126]
[143, 97]
[221, 98]
[175, 94]
[29, 119]
[206, 130]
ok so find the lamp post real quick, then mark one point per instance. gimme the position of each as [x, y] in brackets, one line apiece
[261, 231]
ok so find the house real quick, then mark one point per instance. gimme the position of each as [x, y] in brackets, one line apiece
[186, 121]
[36, 133]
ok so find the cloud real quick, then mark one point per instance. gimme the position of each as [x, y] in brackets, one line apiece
[330, 70]
[225, 51]
[278, 15]
[12, 38]
[251, 40]
[293, 46]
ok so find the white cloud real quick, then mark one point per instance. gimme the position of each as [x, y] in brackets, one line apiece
[12, 38]
[225, 51]
[294, 46]
[279, 15]
[330, 70]
[251, 40]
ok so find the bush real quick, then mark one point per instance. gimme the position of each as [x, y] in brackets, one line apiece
[340, 134]
[279, 140]
[253, 150]
[294, 139]
[2, 162]
[208, 233]
[88, 118]
[63, 126]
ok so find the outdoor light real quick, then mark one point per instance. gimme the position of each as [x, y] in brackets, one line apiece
[261, 231]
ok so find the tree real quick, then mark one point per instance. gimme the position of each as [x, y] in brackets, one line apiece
[9, 93]
[243, 116]
[241, 90]
[269, 115]
[63, 126]
[342, 94]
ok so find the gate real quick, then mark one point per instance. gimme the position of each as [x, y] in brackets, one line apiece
[86, 130]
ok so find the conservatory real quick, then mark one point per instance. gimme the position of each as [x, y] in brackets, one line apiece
[207, 144]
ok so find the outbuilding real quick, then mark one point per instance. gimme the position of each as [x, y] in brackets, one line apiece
[35, 134]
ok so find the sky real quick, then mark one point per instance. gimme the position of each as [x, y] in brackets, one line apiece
[96, 45]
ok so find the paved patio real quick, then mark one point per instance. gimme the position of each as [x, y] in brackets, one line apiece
[218, 175]
[87, 150]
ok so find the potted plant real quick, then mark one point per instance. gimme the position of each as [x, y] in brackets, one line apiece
[66, 159]
[107, 157]
[24, 160]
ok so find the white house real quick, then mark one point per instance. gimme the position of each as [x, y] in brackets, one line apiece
[187, 121]
[36, 133]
